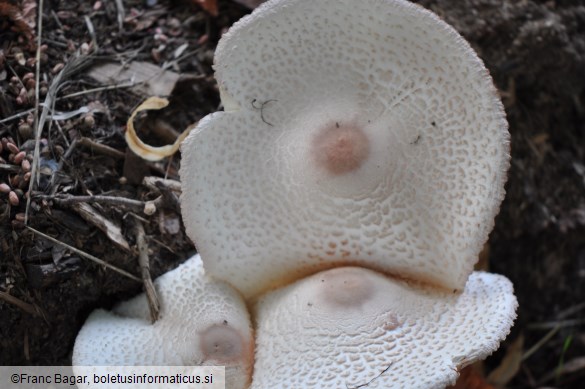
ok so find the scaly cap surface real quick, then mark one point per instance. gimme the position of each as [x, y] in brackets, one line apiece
[362, 133]
[203, 322]
[352, 328]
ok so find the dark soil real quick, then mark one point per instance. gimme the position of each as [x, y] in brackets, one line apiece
[535, 51]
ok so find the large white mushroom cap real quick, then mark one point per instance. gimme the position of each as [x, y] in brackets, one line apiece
[355, 328]
[203, 322]
[362, 133]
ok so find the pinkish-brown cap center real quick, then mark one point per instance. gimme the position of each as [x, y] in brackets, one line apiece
[340, 149]
[346, 286]
[222, 343]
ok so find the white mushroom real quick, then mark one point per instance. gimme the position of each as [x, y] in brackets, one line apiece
[356, 133]
[362, 133]
[352, 327]
[203, 323]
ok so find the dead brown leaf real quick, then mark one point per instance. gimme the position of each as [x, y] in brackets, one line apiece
[208, 5]
[22, 14]
[510, 364]
[470, 378]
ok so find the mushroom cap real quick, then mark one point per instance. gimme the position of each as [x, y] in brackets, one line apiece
[362, 329]
[202, 322]
[362, 133]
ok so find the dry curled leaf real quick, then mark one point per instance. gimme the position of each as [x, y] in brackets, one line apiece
[208, 5]
[147, 152]
[22, 14]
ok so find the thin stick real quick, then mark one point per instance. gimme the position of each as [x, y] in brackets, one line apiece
[101, 148]
[16, 116]
[151, 294]
[86, 255]
[64, 200]
[100, 89]
[29, 308]
[60, 129]
[570, 311]
[9, 168]
[91, 31]
[36, 108]
[540, 343]
[152, 182]
[121, 14]
[547, 325]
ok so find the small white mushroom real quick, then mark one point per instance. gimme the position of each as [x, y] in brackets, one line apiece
[352, 328]
[362, 133]
[203, 322]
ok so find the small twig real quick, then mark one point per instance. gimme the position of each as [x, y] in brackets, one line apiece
[28, 308]
[184, 56]
[169, 166]
[570, 311]
[65, 199]
[62, 160]
[16, 116]
[91, 31]
[15, 75]
[547, 325]
[86, 255]
[101, 148]
[153, 183]
[9, 168]
[121, 14]
[60, 129]
[540, 343]
[35, 163]
[100, 89]
[137, 217]
[68, 153]
[56, 43]
[162, 244]
[57, 20]
[151, 293]
[573, 366]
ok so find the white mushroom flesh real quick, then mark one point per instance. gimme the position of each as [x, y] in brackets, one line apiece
[203, 322]
[355, 133]
[352, 327]
[362, 133]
